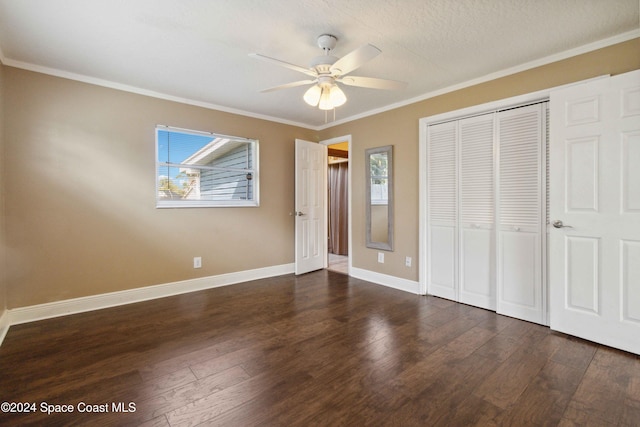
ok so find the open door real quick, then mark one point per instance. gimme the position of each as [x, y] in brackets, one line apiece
[595, 211]
[310, 206]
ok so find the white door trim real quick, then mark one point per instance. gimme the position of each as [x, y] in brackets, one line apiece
[332, 141]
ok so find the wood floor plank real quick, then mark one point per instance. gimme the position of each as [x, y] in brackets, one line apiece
[158, 385]
[318, 349]
[630, 416]
[208, 407]
[448, 390]
[545, 398]
[156, 422]
[511, 378]
[473, 411]
[572, 351]
[469, 342]
[152, 406]
[604, 392]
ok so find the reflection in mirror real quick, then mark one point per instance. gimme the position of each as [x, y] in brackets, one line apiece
[379, 197]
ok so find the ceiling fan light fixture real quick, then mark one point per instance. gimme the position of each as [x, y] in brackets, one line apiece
[325, 99]
[312, 95]
[337, 96]
[328, 70]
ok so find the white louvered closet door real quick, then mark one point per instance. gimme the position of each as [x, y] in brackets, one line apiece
[442, 211]
[520, 213]
[476, 212]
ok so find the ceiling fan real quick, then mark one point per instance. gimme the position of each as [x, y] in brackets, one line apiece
[327, 71]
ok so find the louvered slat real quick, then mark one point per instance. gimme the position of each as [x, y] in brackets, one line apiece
[519, 139]
[476, 170]
[442, 172]
[546, 140]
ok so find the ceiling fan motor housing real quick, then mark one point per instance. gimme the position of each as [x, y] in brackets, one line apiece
[326, 81]
[323, 63]
[327, 41]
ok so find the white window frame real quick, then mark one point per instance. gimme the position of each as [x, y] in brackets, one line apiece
[186, 203]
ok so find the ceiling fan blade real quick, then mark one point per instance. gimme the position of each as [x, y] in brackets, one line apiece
[288, 85]
[371, 82]
[294, 67]
[353, 60]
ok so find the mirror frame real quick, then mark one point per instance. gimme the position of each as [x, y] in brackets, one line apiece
[388, 245]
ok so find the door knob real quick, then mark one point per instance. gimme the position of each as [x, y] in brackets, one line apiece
[558, 224]
[299, 213]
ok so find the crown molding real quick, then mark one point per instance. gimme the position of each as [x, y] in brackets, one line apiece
[140, 91]
[620, 38]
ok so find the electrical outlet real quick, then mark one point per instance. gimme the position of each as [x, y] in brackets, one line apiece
[197, 262]
[381, 257]
[407, 261]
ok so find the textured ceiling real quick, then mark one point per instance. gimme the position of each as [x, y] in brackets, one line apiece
[197, 50]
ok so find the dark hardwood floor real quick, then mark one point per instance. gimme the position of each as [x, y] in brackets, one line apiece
[321, 349]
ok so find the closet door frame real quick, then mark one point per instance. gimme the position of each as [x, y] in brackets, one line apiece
[423, 173]
[466, 219]
[424, 123]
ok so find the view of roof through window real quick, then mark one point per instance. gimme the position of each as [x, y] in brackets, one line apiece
[204, 170]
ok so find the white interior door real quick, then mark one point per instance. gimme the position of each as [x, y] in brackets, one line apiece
[520, 220]
[595, 193]
[310, 206]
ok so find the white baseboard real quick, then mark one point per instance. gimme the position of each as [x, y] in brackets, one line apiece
[95, 302]
[386, 280]
[33, 313]
[4, 325]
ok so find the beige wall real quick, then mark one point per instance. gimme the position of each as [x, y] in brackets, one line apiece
[399, 127]
[80, 199]
[79, 183]
[3, 263]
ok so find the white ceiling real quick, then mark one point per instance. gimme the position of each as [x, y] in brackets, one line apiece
[197, 50]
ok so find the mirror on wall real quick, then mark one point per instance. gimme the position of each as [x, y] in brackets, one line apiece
[379, 197]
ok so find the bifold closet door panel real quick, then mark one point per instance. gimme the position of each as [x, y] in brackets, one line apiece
[442, 230]
[519, 213]
[443, 263]
[476, 219]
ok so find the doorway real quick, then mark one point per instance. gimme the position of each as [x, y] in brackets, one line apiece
[339, 201]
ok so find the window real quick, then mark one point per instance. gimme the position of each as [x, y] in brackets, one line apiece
[200, 169]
